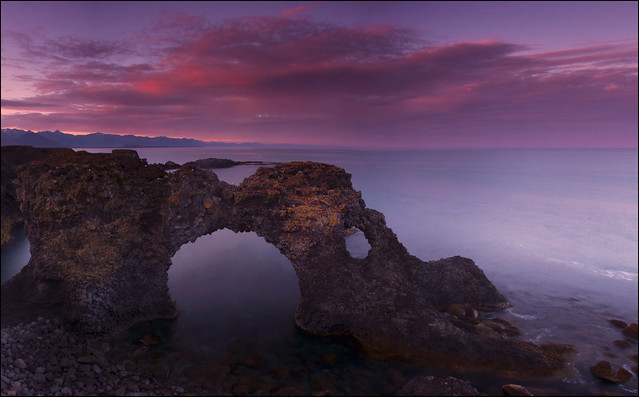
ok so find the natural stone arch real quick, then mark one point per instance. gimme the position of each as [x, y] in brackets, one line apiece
[103, 228]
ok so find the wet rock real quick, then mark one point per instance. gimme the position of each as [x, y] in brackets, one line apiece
[456, 310]
[622, 344]
[515, 390]
[630, 331]
[486, 330]
[603, 370]
[618, 323]
[433, 386]
[500, 326]
[471, 313]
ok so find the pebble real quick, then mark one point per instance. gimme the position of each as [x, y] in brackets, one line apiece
[20, 363]
[39, 378]
[64, 364]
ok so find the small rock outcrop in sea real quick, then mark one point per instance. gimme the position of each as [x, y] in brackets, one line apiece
[603, 370]
[103, 227]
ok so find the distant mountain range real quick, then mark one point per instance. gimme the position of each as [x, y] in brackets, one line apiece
[12, 136]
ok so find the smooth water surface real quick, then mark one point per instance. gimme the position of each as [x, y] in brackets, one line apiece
[555, 230]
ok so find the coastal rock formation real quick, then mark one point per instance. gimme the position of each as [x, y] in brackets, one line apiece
[13, 157]
[103, 227]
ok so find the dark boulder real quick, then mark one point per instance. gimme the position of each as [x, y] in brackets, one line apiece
[603, 370]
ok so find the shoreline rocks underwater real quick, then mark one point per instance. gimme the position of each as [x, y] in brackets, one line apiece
[45, 357]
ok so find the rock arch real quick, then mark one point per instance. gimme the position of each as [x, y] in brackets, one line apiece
[103, 228]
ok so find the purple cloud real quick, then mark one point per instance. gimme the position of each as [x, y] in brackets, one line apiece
[13, 104]
[67, 48]
[286, 79]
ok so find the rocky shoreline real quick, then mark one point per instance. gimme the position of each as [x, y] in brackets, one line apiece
[42, 358]
[45, 357]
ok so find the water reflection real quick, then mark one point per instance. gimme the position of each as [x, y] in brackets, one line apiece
[231, 285]
[15, 255]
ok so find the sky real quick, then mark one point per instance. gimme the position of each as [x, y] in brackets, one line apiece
[355, 74]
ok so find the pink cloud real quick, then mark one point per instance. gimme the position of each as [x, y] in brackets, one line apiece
[289, 12]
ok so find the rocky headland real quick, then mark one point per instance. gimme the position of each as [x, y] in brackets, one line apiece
[103, 227]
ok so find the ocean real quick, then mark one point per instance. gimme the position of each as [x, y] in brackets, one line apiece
[555, 230]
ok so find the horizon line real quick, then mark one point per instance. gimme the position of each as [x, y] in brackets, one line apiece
[312, 145]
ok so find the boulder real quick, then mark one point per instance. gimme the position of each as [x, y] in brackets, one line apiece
[630, 331]
[515, 390]
[603, 370]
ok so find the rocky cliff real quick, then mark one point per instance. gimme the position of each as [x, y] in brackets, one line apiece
[13, 157]
[103, 228]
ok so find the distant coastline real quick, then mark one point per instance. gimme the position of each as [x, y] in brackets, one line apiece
[58, 139]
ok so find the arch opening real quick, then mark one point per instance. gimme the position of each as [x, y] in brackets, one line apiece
[229, 287]
[357, 244]
[15, 254]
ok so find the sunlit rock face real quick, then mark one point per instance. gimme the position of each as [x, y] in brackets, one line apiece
[103, 227]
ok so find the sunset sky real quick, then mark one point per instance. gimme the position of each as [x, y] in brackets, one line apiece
[371, 74]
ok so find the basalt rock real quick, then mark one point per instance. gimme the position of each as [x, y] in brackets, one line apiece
[103, 228]
[13, 157]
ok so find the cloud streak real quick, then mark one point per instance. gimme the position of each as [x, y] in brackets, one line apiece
[290, 79]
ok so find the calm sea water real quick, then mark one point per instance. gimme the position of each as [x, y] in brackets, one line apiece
[555, 230]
